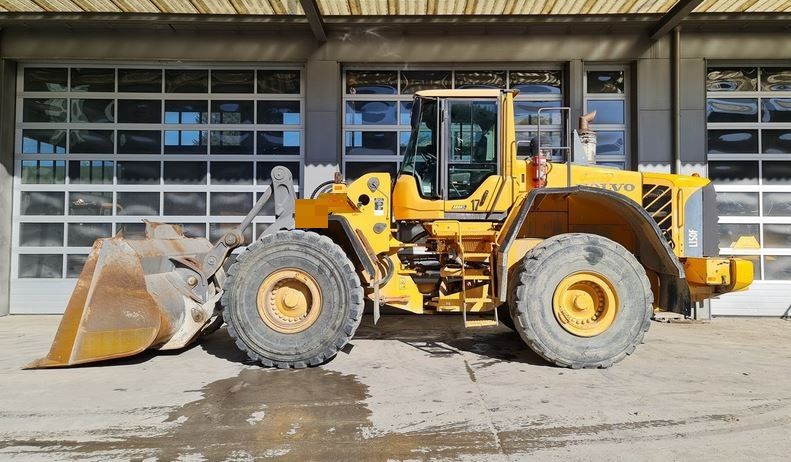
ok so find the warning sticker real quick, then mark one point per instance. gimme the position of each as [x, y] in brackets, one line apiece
[379, 206]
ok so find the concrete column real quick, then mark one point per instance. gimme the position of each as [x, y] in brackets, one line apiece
[322, 122]
[7, 104]
[575, 73]
[652, 122]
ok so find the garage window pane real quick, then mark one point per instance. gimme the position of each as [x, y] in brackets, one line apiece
[138, 203]
[737, 204]
[777, 173]
[83, 234]
[138, 172]
[733, 173]
[186, 112]
[232, 81]
[231, 112]
[185, 142]
[278, 81]
[605, 81]
[264, 171]
[93, 79]
[46, 79]
[778, 267]
[526, 112]
[371, 143]
[732, 110]
[777, 235]
[93, 110]
[185, 173]
[371, 82]
[776, 110]
[355, 170]
[608, 143]
[90, 172]
[41, 203]
[279, 143]
[537, 81]
[36, 141]
[775, 79]
[74, 265]
[41, 266]
[91, 141]
[231, 142]
[140, 80]
[739, 141]
[184, 203]
[194, 229]
[41, 234]
[231, 203]
[139, 111]
[414, 81]
[371, 113]
[279, 112]
[218, 230]
[607, 111]
[139, 142]
[228, 173]
[480, 79]
[777, 204]
[43, 171]
[186, 81]
[732, 79]
[44, 110]
[131, 230]
[90, 203]
[776, 141]
[739, 236]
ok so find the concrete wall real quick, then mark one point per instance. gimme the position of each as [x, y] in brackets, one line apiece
[7, 99]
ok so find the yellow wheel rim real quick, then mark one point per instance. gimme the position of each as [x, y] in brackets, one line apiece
[585, 303]
[289, 301]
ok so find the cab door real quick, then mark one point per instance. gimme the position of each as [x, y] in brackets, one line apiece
[472, 177]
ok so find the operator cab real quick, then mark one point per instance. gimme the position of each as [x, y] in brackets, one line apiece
[453, 165]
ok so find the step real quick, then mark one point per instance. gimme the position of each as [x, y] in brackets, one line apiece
[481, 322]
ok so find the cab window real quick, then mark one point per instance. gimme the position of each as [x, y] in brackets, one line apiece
[473, 146]
[420, 158]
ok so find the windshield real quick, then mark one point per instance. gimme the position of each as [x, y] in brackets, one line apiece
[420, 158]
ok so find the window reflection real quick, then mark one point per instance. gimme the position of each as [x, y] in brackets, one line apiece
[41, 266]
[138, 203]
[480, 79]
[37, 141]
[84, 234]
[186, 81]
[278, 112]
[605, 81]
[91, 203]
[231, 142]
[184, 203]
[91, 141]
[43, 171]
[607, 111]
[414, 81]
[371, 82]
[186, 112]
[371, 143]
[41, 234]
[733, 141]
[278, 81]
[139, 111]
[733, 173]
[775, 79]
[41, 203]
[732, 110]
[93, 79]
[776, 110]
[46, 79]
[91, 171]
[537, 81]
[44, 110]
[737, 204]
[232, 81]
[231, 112]
[185, 142]
[732, 79]
[371, 112]
[140, 80]
[182, 172]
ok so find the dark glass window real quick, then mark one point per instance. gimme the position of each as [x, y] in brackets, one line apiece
[74, 265]
[138, 203]
[278, 143]
[372, 82]
[91, 171]
[184, 203]
[232, 112]
[537, 81]
[739, 236]
[231, 203]
[605, 81]
[609, 143]
[140, 80]
[776, 141]
[44, 110]
[41, 203]
[46, 141]
[775, 79]
[737, 141]
[371, 143]
[480, 79]
[131, 230]
[83, 234]
[186, 112]
[229, 173]
[186, 81]
[93, 79]
[776, 110]
[264, 171]
[733, 172]
[607, 111]
[778, 267]
[43, 171]
[777, 172]
[414, 81]
[231, 142]
[41, 266]
[139, 111]
[194, 229]
[41, 234]
[406, 113]
[232, 81]
[732, 110]
[185, 142]
[138, 172]
[93, 110]
[279, 112]
[91, 203]
[91, 141]
[777, 204]
[218, 230]
[732, 79]
[278, 81]
[371, 113]
[46, 79]
[139, 141]
[737, 204]
[526, 112]
[355, 170]
[777, 235]
[185, 172]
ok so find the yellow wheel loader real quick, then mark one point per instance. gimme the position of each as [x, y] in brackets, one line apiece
[575, 258]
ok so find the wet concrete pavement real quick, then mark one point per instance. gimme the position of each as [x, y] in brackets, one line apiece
[412, 388]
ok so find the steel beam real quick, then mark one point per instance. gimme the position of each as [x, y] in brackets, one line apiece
[313, 14]
[673, 18]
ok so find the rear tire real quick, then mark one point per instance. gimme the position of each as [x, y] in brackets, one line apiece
[562, 330]
[334, 300]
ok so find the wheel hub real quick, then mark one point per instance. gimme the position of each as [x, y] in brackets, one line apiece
[289, 301]
[585, 304]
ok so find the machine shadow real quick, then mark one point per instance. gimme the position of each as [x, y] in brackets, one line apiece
[438, 336]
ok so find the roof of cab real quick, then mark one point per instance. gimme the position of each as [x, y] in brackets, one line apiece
[466, 93]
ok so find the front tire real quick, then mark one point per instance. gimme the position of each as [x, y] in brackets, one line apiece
[292, 299]
[581, 301]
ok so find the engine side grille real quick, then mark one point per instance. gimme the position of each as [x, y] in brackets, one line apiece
[658, 202]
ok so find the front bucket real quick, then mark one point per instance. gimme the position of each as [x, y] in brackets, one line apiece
[123, 303]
